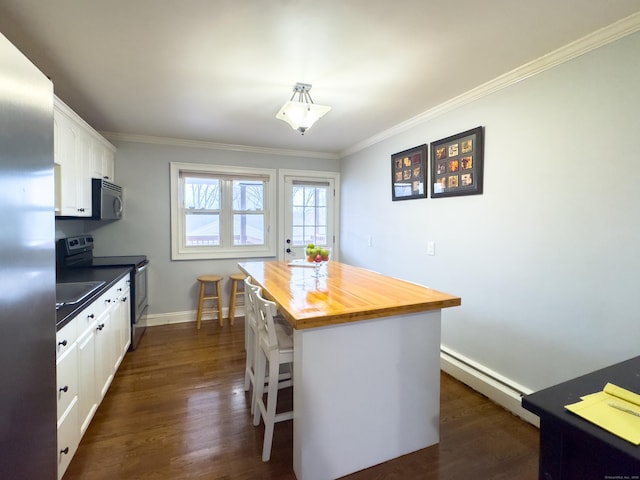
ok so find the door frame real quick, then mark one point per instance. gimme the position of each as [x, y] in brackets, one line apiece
[311, 175]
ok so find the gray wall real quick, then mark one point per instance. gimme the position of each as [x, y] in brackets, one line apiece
[547, 260]
[143, 171]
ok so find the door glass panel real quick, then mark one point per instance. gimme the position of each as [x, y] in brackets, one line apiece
[309, 215]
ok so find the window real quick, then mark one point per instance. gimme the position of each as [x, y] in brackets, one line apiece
[221, 212]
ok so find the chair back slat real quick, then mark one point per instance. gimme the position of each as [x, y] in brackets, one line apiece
[266, 310]
[250, 302]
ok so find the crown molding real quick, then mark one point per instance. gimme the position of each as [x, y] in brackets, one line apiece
[177, 142]
[593, 41]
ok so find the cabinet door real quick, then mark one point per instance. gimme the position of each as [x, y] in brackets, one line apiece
[108, 166]
[68, 438]
[85, 167]
[65, 156]
[97, 152]
[87, 391]
[120, 318]
[104, 353]
[66, 379]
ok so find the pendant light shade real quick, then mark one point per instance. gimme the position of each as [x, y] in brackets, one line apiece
[301, 113]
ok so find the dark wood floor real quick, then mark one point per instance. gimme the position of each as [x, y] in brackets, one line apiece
[177, 410]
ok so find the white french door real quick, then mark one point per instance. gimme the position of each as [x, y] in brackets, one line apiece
[309, 212]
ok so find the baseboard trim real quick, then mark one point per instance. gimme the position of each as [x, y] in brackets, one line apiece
[497, 388]
[157, 319]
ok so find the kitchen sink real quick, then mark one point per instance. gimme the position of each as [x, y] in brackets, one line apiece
[74, 292]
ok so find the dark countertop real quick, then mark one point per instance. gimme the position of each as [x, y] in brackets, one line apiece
[110, 276]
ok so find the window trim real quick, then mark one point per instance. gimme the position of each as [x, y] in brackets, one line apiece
[180, 252]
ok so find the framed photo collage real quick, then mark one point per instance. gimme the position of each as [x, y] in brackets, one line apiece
[457, 167]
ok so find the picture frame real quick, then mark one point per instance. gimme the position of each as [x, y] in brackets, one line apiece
[457, 164]
[409, 174]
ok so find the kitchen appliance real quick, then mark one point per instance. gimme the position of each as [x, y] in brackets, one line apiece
[106, 200]
[77, 252]
[28, 402]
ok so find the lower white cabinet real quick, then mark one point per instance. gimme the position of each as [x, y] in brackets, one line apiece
[90, 350]
[67, 395]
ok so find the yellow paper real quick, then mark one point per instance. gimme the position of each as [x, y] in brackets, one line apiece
[597, 409]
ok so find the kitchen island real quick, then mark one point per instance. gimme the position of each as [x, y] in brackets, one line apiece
[366, 363]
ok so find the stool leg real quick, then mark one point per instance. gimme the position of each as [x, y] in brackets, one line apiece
[220, 317]
[200, 303]
[232, 301]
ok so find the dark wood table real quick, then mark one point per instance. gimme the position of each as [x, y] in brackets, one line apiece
[574, 448]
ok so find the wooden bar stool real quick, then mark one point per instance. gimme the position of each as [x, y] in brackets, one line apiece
[215, 295]
[236, 280]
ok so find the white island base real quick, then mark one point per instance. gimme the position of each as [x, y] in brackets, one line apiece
[365, 392]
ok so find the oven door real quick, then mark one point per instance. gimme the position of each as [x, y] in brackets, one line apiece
[140, 283]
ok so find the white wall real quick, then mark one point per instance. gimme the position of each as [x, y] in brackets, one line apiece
[547, 260]
[142, 169]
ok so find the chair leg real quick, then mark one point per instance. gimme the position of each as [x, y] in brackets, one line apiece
[270, 415]
[220, 317]
[200, 305]
[258, 387]
[232, 301]
[249, 369]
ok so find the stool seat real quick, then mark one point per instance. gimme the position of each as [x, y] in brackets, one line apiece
[237, 279]
[206, 280]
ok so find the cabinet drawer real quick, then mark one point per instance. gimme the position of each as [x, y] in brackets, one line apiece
[67, 379]
[87, 319]
[68, 438]
[65, 338]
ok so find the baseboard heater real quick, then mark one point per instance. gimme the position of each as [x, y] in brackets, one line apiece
[494, 386]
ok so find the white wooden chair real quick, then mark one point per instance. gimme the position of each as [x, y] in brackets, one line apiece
[275, 348]
[251, 344]
[250, 338]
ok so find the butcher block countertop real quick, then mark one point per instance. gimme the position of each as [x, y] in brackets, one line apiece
[345, 294]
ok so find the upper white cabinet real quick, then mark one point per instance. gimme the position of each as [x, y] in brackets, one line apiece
[80, 154]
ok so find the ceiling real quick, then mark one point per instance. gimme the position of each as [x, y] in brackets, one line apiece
[219, 70]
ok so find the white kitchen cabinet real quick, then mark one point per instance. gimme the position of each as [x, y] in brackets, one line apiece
[80, 154]
[108, 164]
[66, 147]
[121, 320]
[67, 395]
[89, 351]
[102, 160]
[105, 347]
[87, 398]
[68, 437]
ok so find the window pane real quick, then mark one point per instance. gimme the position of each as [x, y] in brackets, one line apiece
[248, 195]
[202, 193]
[202, 230]
[248, 229]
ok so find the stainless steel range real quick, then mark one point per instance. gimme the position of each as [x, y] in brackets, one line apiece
[77, 252]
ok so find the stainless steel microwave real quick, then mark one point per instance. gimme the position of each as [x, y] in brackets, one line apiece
[106, 201]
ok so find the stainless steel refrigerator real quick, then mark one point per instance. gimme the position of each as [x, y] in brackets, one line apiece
[27, 271]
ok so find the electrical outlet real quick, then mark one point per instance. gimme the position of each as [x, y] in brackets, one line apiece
[369, 241]
[431, 247]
